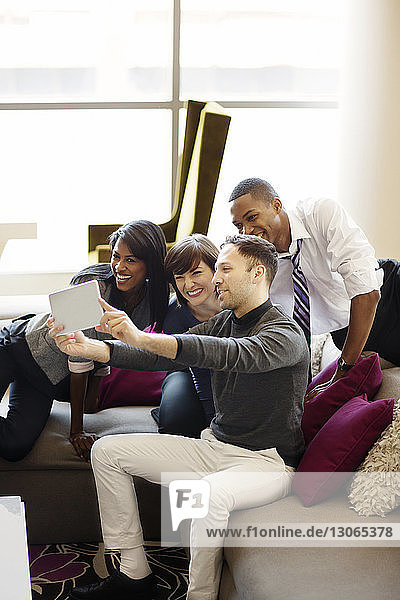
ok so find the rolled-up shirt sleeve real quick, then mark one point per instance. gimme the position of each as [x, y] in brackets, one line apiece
[352, 256]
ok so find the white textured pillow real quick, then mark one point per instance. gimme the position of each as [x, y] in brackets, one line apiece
[375, 488]
[318, 343]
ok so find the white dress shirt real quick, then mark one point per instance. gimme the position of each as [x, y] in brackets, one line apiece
[336, 258]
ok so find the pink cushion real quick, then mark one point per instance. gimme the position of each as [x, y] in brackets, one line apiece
[124, 387]
[130, 388]
[325, 374]
[364, 378]
[339, 447]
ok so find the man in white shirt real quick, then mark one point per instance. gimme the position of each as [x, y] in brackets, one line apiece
[339, 265]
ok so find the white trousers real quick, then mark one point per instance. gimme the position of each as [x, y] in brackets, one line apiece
[116, 458]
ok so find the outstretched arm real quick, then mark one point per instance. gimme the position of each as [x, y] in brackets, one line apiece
[81, 441]
[362, 313]
[92, 394]
[119, 325]
[77, 344]
[274, 346]
[162, 347]
[353, 258]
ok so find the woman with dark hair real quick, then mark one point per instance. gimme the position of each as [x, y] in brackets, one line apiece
[135, 276]
[38, 372]
[187, 404]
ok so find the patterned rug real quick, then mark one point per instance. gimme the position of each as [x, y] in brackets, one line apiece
[56, 569]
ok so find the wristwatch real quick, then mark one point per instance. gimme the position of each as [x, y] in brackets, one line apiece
[343, 365]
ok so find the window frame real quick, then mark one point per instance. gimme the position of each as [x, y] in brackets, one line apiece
[174, 105]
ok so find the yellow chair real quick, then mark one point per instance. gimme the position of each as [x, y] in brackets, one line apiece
[199, 166]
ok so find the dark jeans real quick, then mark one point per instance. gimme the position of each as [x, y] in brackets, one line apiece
[384, 337]
[180, 411]
[30, 398]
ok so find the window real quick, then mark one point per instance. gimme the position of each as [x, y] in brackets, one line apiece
[260, 49]
[92, 95]
[86, 50]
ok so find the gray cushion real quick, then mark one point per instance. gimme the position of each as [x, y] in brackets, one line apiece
[57, 486]
[13, 306]
[309, 573]
[290, 510]
[390, 387]
[53, 450]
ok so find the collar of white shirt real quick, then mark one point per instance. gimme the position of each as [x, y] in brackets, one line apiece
[297, 231]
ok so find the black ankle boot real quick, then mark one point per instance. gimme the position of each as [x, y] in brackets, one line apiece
[118, 587]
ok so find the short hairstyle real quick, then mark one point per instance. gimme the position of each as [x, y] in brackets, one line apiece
[257, 251]
[186, 255]
[258, 188]
[146, 241]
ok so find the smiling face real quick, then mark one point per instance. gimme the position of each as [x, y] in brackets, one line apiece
[233, 281]
[129, 271]
[196, 284]
[254, 216]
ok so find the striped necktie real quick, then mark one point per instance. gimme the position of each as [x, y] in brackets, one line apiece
[301, 308]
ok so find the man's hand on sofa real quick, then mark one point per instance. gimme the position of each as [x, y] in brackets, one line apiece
[77, 344]
[83, 442]
[323, 386]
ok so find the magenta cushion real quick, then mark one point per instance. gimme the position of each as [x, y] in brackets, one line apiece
[124, 387]
[325, 374]
[339, 447]
[364, 378]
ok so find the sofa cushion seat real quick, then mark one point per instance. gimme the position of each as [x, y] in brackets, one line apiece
[291, 510]
[53, 449]
[309, 572]
[390, 387]
[58, 487]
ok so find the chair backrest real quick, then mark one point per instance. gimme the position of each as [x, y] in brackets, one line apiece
[203, 174]
[199, 166]
[193, 112]
[98, 235]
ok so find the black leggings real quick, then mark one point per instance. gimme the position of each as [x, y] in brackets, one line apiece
[180, 411]
[30, 397]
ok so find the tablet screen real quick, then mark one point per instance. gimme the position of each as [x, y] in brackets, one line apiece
[77, 307]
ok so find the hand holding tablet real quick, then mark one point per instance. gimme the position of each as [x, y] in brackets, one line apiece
[77, 307]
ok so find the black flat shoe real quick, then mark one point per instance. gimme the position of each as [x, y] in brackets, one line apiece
[155, 413]
[117, 587]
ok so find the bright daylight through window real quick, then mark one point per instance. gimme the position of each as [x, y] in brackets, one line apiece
[92, 95]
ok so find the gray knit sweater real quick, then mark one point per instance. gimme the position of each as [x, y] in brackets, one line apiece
[259, 365]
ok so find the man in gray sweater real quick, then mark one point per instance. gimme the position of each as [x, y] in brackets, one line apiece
[259, 361]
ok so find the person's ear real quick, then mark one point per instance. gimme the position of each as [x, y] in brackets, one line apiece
[276, 204]
[259, 273]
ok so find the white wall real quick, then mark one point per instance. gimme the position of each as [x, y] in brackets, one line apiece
[369, 181]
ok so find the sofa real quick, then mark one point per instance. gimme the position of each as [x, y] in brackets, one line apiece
[59, 494]
[327, 570]
[309, 573]
[58, 487]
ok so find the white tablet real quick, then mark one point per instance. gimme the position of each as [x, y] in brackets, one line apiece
[77, 307]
